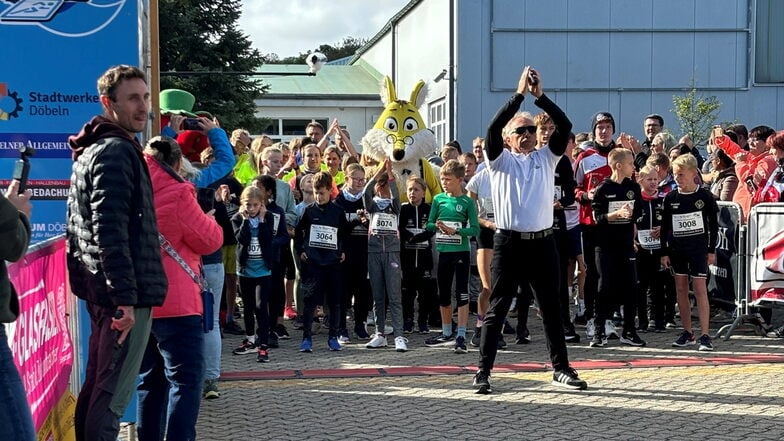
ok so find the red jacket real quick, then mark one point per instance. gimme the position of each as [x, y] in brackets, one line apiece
[590, 170]
[191, 233]
[757, 168]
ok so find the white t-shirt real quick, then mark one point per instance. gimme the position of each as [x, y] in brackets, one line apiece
[523, 188]
[480, 185]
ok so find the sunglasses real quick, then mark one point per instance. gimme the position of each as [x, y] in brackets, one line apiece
[522, 129]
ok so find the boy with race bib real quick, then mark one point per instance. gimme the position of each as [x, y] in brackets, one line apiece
[689, 231]
[616, 204]
[318, 240]
[454, 220]
[382, 203]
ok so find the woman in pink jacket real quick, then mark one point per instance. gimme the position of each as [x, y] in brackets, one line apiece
[173, 367]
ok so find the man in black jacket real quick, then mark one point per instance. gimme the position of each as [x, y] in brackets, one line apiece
[113, 253]
[524, 251]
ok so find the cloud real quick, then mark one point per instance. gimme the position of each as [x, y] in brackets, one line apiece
[288, 28]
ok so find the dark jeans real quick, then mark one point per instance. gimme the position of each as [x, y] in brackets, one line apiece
[111, 373]
[453, 266]
[591, 269]
[420, 286]
[322, 283]
[16, 422]
[517, 261]
[617, 286]
[171, 379]
[256, 291]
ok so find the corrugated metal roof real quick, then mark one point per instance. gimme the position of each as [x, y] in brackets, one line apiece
[359, 80]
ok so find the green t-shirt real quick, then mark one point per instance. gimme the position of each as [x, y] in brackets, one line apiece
[457, 212]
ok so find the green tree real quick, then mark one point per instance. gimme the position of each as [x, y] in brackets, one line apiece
[345, 48]
[696, 113]
[203, 35]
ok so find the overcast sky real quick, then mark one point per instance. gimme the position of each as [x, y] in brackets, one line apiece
[293, 26]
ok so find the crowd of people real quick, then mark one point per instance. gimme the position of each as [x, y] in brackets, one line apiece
[178, 241]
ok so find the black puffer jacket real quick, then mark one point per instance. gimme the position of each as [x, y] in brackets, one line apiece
[114, 257]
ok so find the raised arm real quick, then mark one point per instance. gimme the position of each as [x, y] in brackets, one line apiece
[494, 141]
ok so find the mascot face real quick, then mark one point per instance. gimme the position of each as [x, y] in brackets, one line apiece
[400, 132]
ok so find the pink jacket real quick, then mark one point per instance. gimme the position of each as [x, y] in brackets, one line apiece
[191, 233]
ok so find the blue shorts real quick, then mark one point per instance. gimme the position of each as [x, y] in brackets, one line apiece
[575, 241]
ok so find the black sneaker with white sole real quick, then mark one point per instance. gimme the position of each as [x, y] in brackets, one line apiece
[632, 339]
[482, 382]
[440, 340]
[569, 379]
[477, 337]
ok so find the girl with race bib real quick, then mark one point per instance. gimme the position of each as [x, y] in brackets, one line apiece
[253, 225]
[689, 231]
[382, 203]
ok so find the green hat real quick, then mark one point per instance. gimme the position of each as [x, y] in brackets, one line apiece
[178, 102]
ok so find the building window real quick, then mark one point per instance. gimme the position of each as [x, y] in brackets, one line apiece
[438, 120]
[769, 42]
[284, 129]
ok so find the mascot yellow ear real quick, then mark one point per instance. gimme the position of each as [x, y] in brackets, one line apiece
[418, 94]
[388, 94]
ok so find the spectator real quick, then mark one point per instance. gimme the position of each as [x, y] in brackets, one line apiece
[724, 181]
[742, 134]
[753, 168]
[16, 422]
[772, 190]
[478, 149]
[114, 257]
[333, 161]
[449, 152]
[652, 126]
[172, 371]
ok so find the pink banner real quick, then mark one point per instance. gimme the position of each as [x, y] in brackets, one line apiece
[39, 339]
[766, 243]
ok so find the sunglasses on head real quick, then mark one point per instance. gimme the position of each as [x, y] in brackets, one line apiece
[522, 129]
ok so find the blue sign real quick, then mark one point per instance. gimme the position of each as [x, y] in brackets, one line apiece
[54, 52]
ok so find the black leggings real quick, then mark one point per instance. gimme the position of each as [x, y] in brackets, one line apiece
[255, 293]
[453, 265]
[417, 284]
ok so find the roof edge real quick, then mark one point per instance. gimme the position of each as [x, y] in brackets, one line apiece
[395, 18]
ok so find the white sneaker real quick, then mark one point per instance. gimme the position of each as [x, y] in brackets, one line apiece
[378, 341]
[590, 329]
[401, 344]
[388, 330]
[609, 329]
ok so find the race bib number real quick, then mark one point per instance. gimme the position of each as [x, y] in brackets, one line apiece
[445, 239]
[322, 236]
[558, 193]
[275, 223]
[689, 224]
[383, 224]
[417, 245]
[254, 251]
[617, 205]
[646, 241]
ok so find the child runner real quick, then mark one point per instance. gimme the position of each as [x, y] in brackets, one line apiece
[453, 218]
[689, 232]
[383, 207]
[616, 203]
[253, 229]
[417, 256]
[319, 243]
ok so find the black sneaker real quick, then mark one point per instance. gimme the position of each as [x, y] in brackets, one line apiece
[272, 340]
[297, 325]
[408, 327]
[361, 332]
[482, 383]
[246, 347]
[599, 340]
[571, 336]
[632, 339]
[281, 332]
[262, 355]
[233, 329]
[777, 332]
[501, 342]
[477, 337]
[705, 343]
[579, 319]
[460, 345]
[686, 339]
[523, 340]
[423, 328]
[440, 340]
[507, 328]
[568, 378]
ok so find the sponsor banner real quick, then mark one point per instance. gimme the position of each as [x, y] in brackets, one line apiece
[59, 425]
[47, 97]
[45, 189]
[722, 284]
[39, 338]
[766, 245]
